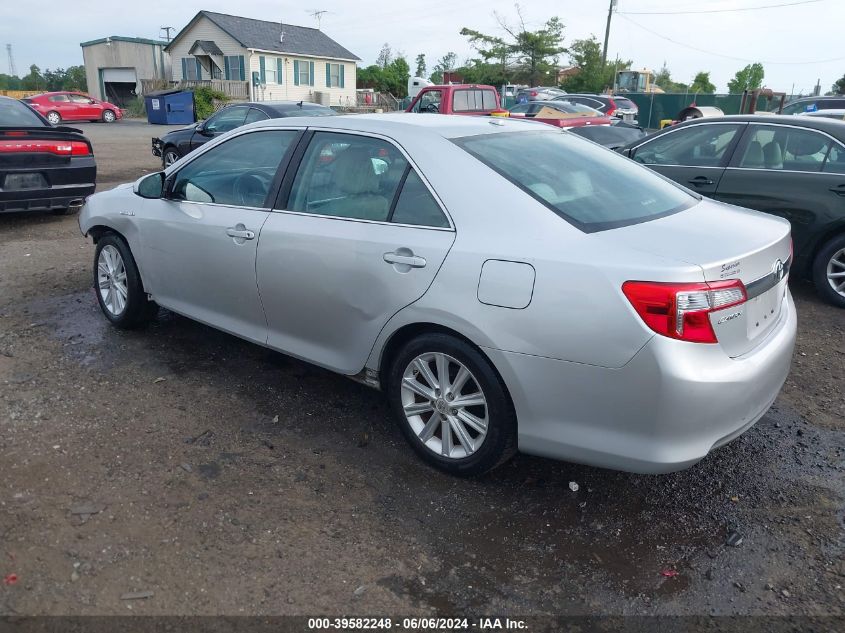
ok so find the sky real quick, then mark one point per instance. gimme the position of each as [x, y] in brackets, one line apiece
[798, 44]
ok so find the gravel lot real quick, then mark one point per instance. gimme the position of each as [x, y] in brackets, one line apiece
[228, 479]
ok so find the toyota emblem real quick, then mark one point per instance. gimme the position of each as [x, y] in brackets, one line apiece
[778, 270]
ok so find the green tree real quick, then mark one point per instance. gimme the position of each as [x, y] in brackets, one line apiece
[702, 84]
[421, 65]
[75, 79]
[749, 78]
[663, 79]
[392, 79]
[533, 54]
[9, 82]
[447, 62]
[494, 51]
[839, 86]
[591, 77]
[34, 80]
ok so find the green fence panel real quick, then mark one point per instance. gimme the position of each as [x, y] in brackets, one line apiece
[656, 107]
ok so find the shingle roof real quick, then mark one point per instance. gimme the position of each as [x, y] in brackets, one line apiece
[263, 35]
[206, 46]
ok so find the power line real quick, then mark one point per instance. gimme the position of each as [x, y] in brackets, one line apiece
[741, 59]
[700, 11]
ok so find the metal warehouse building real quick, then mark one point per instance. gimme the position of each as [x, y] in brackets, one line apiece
[116, 65]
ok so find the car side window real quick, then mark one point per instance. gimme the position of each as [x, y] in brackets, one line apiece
[697, 146]
[417, 206]
[81, 99]
[254, 115]
[835, 163]
[782, 147]
[429, 101]
[226, 120]
[238, 172]
[348, 176]
[59, 98]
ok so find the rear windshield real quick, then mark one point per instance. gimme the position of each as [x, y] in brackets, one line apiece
[16, 114]
[608, 135]
[625, 104]
[473, 100]
[591, 187]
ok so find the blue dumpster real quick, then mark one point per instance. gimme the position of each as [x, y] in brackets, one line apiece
[170, 107]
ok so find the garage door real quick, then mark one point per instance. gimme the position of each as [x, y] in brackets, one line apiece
[119, 75]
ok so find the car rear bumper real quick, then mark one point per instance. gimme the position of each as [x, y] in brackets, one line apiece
[66, 184]
[664, 410]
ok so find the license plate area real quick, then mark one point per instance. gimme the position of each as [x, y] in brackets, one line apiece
[763, 312]
[24, 182]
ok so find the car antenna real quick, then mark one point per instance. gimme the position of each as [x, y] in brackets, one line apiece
[300, 103]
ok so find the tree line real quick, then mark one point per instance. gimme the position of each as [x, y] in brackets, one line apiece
[519, 55]
[71, 78]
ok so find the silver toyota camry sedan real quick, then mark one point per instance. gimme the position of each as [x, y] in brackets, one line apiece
[575, 305]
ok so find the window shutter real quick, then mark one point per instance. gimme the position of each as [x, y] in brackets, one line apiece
[184, 68]
[341, 76]
[199, 69]
[310, 73]
[262, 65]
[226, 68]
[296, 72]
[241, 63]
[328, 75]
[280, 70]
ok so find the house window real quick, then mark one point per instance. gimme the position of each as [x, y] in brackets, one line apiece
[304, 73]
[333, 76]
[190, 66]
[271, 70]
[233, 68]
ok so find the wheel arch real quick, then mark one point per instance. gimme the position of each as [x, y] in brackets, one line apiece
[831, 232]
[410, 331]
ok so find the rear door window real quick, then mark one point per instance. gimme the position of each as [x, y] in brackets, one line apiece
[835, 163]
[417, 206]
[585, 184]
[254, 115]
[783, 148]
[693, 146]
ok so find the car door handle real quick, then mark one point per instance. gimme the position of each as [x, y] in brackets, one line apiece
[244, 234]
[700, 180]
[839, 190]
[413, 261]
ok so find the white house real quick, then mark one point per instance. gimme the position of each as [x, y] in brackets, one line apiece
[277, 61]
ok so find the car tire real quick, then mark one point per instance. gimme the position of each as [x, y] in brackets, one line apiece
[169, 156]
[54, 117]
[830, 260]
[424, 415]
[109, 116]
[118, 286]
[63, 211]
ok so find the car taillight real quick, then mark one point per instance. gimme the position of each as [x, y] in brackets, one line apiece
[682, 310]
[60, 148]
[534, 93]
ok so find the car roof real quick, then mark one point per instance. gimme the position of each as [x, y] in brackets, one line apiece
[830, 126]
[448, 126]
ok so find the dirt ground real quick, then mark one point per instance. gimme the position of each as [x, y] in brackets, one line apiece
[223, 478]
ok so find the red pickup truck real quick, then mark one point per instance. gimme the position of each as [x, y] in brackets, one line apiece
[457, 99]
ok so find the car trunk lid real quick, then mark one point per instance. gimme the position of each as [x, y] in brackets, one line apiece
[727, 243]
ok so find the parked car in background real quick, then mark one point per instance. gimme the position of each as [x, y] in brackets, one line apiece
[614, 106]
[176, 144]
[468, 99]
[813, 104]
[574, 305]
[614, 136]
[42, 167]
[73, 106]
[792, 167]
[836, 114]
[539, 93]
[558, 113]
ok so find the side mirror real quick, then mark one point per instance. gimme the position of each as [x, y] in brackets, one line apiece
[150, 186]
[201, 129]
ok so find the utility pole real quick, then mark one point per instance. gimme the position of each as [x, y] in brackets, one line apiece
[13, 71]
[607, 32]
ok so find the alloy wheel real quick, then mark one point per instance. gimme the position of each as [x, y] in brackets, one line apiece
[170, 157]
[444, 405]
[111, 280]
[108, 116]
[836, 271]
[54, 118]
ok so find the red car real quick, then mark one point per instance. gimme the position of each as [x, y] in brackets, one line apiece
[73, 106]
[457, 99]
